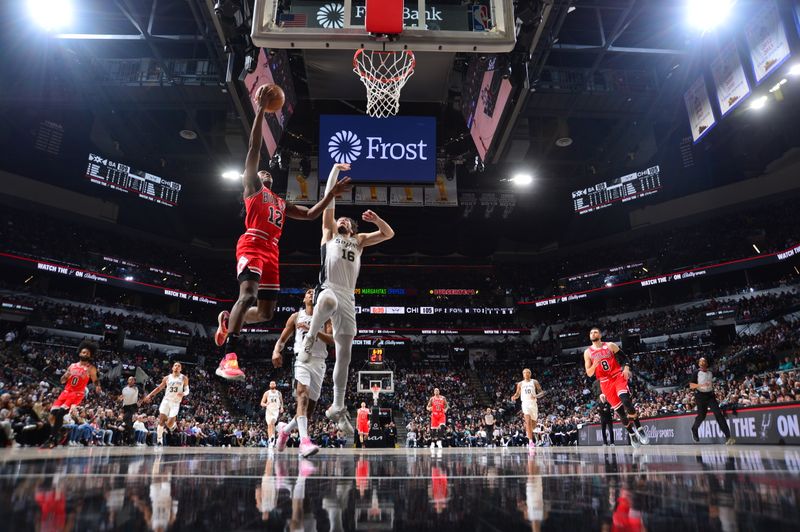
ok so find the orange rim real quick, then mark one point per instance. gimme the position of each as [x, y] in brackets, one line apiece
[370, 77]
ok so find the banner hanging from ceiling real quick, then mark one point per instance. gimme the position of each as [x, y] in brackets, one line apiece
[406, 197]
[729, 77]
[701, 116]
[372, 195]
[766, 39]
[444, 193]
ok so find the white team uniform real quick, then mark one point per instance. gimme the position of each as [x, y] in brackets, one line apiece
[310, 373]
[527, 390]
[341, 263]
[171, 402]
[269, 494]
[273, 406]
[534, 498]
[163, 505]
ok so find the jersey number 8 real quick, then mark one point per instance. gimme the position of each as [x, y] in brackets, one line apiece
[604, 363]
[74, 381]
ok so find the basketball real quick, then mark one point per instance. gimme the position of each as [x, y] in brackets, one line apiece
[275, 98]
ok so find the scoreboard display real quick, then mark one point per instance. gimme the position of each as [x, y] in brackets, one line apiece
[620, 190]
[376, 355]
[123, 178]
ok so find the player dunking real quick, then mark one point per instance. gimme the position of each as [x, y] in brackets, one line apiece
[177, 387]
[602, 360]
[437, 406]
[530, 390]
[362, 423]
[257, 249]
[75, 380]
[341, 249]
[308, 374]
[272, 400]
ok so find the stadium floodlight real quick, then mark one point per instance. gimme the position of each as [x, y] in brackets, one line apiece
[129, 277]
[756, 248]
[230, 174]
[50, 14]
[758, 103]
[522, 180]
[706, 15]
[795, 70]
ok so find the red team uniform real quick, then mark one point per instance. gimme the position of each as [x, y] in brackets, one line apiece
[437, 411]
[75, 387]
[257, 249]
[609, 373]
[362, 421]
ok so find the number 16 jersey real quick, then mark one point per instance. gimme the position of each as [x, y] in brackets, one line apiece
[341, 262]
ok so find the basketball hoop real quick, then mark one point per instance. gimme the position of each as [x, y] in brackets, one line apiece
[376, 390]
[383, 74]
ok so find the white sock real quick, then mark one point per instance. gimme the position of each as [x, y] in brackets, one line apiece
[299, 492]
[159, 434]
[302, 426]
[341, 368]
[290, 426]
[323, 310]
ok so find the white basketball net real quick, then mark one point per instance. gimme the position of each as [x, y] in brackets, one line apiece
[383, 74]
[376, 390]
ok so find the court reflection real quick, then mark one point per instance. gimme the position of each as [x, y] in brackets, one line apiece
[597, 489]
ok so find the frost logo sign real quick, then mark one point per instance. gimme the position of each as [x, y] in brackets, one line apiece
[331, 16]
[344, 147]
[381, 150]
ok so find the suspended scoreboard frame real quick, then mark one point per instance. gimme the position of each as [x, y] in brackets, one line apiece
[267, 33]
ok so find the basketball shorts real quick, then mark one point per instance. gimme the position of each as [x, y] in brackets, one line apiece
[272, 414]
[531, 409]
[169, 408]
[311, 374]
[344, 319]
[363, 426]
[67, 400]
[257, 260]
[612, 387]
[437, 421]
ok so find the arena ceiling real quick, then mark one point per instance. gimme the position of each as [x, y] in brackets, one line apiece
[608, 74]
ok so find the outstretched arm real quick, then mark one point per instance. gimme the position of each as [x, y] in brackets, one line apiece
[298, 212]
[288, 330]
[384, 232]
[252, 184]
[156, 391]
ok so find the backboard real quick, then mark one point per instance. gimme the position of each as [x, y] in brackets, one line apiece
[429, 26]
[366, 378]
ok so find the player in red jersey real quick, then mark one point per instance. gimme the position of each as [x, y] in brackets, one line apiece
[437, 406]
[74, 380]
[602, 360]
[362, 423]
[257, 249]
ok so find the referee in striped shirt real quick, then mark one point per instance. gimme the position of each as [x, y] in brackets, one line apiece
[703, 385]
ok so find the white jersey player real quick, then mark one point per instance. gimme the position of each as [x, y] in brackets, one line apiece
[342, 246]
[177, 387]
[272, 400]
[308, 374]
[530, 390]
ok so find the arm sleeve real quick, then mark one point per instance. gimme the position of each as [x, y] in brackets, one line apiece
[693, 380]
[186, 390]
[332, 177]
[623, 359]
